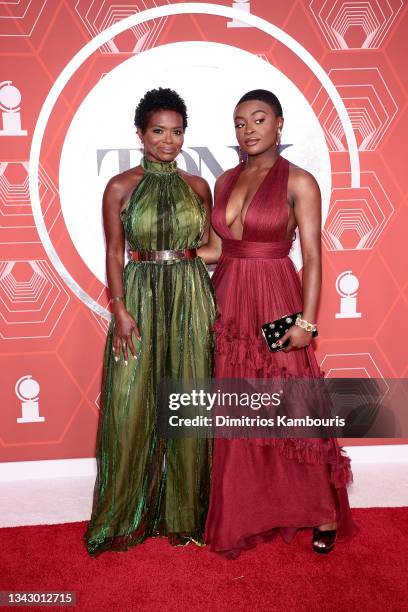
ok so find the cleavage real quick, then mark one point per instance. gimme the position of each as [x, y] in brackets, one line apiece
[239, 202]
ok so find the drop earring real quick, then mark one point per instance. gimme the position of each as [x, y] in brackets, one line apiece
[278, 137]
[243, 156]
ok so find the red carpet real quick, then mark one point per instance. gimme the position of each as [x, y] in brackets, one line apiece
[369, 573]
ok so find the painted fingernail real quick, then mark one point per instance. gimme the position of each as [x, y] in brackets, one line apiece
[134, 356]
[116, 359]
[126, 363]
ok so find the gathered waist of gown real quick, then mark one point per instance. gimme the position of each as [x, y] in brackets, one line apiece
[244, 249]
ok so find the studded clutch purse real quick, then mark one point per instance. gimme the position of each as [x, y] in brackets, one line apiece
[274, 330]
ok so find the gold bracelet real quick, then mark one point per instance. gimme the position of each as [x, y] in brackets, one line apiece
[309, 327]
[117, 298]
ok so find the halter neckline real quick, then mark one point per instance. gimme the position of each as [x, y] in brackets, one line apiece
[159, 167]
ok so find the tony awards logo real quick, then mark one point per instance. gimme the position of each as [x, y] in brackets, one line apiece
[241, 5]
[10, 99]
[27, 390]
[346, 286]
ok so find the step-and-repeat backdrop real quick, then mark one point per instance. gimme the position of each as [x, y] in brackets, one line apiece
[71, 75]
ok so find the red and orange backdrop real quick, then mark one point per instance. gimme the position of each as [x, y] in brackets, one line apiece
[72, 72]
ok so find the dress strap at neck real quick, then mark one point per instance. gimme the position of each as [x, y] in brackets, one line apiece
[159, 167]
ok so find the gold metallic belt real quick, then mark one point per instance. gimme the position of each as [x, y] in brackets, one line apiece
[163, 255]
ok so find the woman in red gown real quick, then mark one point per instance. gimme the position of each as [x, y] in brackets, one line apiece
[261, 487]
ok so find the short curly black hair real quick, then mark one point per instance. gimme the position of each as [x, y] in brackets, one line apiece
[161, 98]
[266, 96]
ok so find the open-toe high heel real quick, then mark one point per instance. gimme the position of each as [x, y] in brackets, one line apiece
[323, 541]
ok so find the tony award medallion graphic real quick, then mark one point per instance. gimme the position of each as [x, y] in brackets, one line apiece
[27, 390]
[10, 99]
[346, 286]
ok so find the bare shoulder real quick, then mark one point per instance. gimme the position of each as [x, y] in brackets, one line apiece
[197, 183]
[121, 184]
[300, 180]
[302, 184]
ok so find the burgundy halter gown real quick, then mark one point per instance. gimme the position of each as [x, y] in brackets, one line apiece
[264, 486]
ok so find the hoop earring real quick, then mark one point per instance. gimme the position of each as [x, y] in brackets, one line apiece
[243, 156]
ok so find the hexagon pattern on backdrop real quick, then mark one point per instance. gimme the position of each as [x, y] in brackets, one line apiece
[50, 338]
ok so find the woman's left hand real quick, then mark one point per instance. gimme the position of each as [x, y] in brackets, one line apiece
[298, 338]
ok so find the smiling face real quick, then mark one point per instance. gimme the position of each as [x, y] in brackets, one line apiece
[163, 136]
[256, 126]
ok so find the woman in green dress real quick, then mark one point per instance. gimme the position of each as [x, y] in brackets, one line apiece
[164, 311]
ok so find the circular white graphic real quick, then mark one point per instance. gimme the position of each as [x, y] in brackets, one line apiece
[27, 388]
[116, 29]
[211, 77]
[347, 284]
[10, 96]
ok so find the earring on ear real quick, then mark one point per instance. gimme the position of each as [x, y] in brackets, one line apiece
[243, 156]
[278, 136]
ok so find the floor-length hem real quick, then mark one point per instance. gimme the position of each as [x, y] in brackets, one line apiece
[261, 487]
[146, 484]
[126, 542]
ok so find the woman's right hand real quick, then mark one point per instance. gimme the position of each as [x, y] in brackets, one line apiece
[125, 327]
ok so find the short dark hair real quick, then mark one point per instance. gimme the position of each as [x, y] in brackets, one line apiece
[159, 99]
[266, 96]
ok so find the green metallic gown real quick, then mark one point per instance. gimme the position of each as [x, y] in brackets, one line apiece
[146, 485]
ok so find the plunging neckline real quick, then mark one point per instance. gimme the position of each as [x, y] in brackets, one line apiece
[252, 200]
